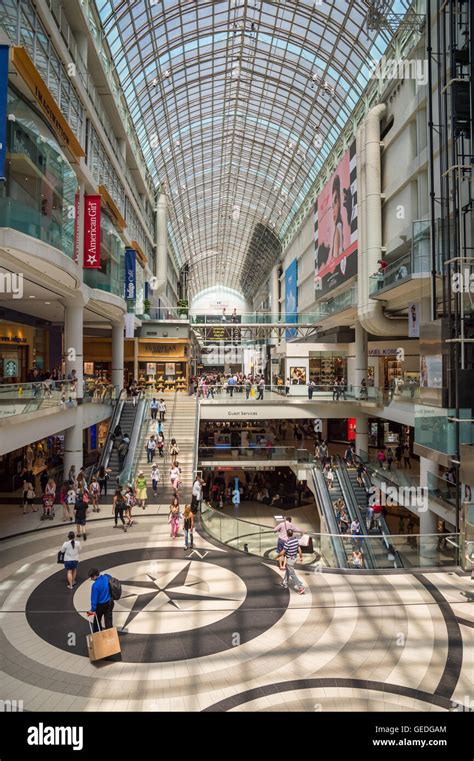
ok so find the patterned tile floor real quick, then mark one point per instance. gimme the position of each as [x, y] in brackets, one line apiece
[213, 630]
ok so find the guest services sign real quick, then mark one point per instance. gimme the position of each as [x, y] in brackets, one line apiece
[91, 232]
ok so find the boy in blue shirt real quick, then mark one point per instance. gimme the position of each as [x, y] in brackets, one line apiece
[102, 603]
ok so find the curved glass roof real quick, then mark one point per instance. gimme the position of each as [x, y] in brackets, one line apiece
[237, 104]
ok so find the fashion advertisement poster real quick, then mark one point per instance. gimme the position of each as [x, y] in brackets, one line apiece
[335, 227]
[413, 320]
[291, 296]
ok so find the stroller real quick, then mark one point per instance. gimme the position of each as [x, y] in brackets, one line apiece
[48, 507]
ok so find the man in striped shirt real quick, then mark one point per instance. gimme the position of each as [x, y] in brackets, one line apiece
[292, 551]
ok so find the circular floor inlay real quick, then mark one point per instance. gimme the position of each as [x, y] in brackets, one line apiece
[172, 607]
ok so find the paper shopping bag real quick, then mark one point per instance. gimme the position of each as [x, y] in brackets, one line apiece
[103, 644]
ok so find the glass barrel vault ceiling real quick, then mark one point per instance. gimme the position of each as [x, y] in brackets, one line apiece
[237, 104]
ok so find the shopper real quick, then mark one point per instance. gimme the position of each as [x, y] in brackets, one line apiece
[150, 449]
[71, 550]
[141, 490]
[174, 451]
[291, 550]
[102, 604]
[155, 479]
[197, 494]
[357, 559]
[381, 458]
[160, 443]
[80, 507]
[188, 526]
[282, 530]
[122, 453]
[261, 387]
[103, 477]
[29, 496]
[162, 409]
[406, 456]
[153, 408]
[311, 387]
[175, 472]
[118, 508]
[390, 458]
[330, 476]
[363, 389]
[130, 502]
[68, 513]
[173, 518]
[94, 491]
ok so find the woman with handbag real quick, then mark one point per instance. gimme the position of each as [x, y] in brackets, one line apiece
[175, 472]
[69, 555]
[188, 525]
[173, 518]
[174, 451]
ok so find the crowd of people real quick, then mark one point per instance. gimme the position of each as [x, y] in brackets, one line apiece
[208, 385]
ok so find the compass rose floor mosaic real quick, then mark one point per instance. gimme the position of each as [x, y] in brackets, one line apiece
[213, 630]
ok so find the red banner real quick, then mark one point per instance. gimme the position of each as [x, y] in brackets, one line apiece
[76, 228]
[91, 232]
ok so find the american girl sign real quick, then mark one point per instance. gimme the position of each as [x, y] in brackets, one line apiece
[91, 232]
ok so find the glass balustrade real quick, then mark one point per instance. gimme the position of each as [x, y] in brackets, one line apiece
[256, 452]
[413, 550]
[21, 398]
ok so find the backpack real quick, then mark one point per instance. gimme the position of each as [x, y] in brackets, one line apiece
[115, 588]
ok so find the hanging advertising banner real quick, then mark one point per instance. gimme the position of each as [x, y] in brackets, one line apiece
[76, 229]
[291, 297]
[4, 56]
[335, 227]
[91, 232]
[129, 325]
[130, 274]
[413, 320]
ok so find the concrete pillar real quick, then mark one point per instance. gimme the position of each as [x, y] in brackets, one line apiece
[362, 435]
[122, 144]
[428, 519]
[360, 357]
[117, 357]
[135, 359]
[82, 46]
[73, 343]
[275, 292]
[161, 261]
[73, 453]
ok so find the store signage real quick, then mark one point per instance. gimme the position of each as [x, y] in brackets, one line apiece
[91, 232]
[397, 353]
[13, 339]
[130, 274]
[45, 100]
[4, 54]
[162, 348]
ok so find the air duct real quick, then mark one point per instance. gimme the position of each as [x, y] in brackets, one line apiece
[369, 213]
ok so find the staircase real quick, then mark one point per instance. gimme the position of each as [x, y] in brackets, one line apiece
[180, 424]
[126, 421]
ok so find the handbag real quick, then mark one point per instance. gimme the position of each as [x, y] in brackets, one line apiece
[60, 557]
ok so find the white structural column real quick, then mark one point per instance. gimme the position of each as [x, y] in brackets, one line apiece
[428, 519]
[117, 356]
[74, 360]
[360, 356]
[135, 359]
[161, 264]
[362, 435]
[275, 291]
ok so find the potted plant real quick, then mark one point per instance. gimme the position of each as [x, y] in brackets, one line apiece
[183, 308]
[146, 306]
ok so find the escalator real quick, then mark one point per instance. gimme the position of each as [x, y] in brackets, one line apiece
[383, 553]
[337, 550]
[125, 414]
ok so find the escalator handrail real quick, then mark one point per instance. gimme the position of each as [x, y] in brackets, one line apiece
[107, 448]
[133, 453]
[384, 530]
[352, 505]
[327, 508]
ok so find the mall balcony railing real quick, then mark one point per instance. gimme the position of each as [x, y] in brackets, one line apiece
[238, 394]
[255, 452]
[415, 551]
[393, 477]
[21, 398]
[165, 314]
[417, 261]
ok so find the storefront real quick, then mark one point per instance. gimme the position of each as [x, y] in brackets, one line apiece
[98, 358]
[21, 348]
[159, 364]
[397, 364]
[325, 366]
[387, 433]
[341, 430]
